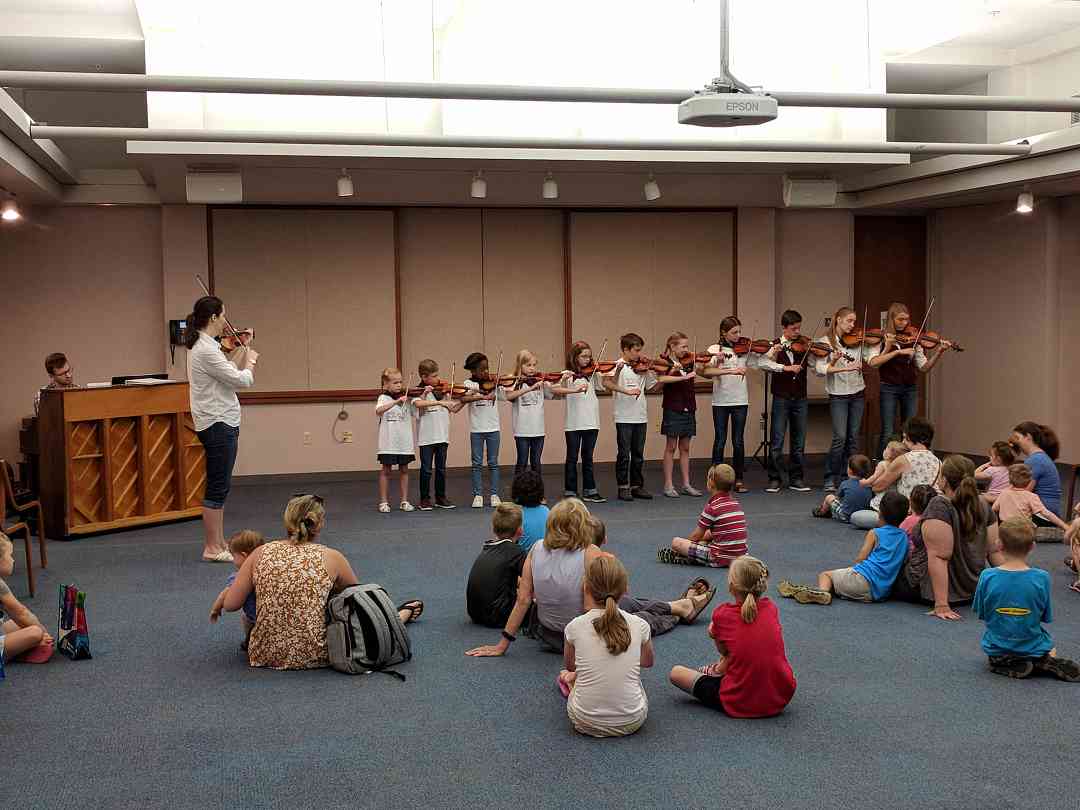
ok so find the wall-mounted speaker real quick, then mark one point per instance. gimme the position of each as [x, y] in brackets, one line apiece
[809, 193]
[214, 187]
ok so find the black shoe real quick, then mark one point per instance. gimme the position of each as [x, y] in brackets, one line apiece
[624, 494]
[774, 486]
[818, 512]
[798, 486]
[1011, 666]
[641, 493]
[594, 497]
[1061, 668]
[443, 503]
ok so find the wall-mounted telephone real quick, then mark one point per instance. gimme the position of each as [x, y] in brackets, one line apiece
[177, 334]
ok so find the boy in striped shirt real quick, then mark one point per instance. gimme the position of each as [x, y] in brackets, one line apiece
[720, 536]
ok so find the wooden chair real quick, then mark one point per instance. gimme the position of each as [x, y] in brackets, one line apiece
[20, 505]
[25, 529]
[1072, 493]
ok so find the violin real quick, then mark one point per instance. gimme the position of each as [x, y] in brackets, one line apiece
[511, 381]
[817, 348]
[864, 337]
[663, 364]
[601, 367]
[744, 345]
[232, 338]
[927, 340]
[440, 389]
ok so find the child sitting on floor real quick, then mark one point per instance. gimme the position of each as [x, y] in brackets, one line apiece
[995, 472]
[1020, 501]
[241, 545]
[604, 652]
[21, 632]
[1072, 537]
[893, 451]
[871, 576]
[493, 581]
[599, 531]
[720, 536]
[753, 677]
[852, 496]
[527, 491]
[1014, 601]
[917, 501]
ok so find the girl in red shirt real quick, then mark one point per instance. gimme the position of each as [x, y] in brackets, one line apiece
[753, 677]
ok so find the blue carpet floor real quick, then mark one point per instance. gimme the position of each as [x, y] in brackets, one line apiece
[893, 708]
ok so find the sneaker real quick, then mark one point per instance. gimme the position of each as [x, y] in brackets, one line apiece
[642, 493]
[798, 486]
[686, 489]
[740, 487]
[443, 503]
[667, 555]
[669, 492]
[407, 507]
[478, 502]
[806, 596]
[1012, 666]
[495, 501]
[384, 507]
[425, 505]
[789, 589]
[774, 486]
[624, 494]
[830, 486]
[818, 512]
[594, 497]
[1061, 668]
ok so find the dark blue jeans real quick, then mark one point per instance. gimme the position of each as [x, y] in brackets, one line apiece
[895, 398]
[846, 413]
[529, 449]
[583, 442]
[433, 455]
[787, 414]
[630, 459]
[220, 442]
[720, 415]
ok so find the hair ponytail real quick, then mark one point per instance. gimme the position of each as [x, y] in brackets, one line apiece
[205, 308]
[748, 611]
[959, 474]
[304, 518]
[1043, 436]
[606, 581]
[749, 578]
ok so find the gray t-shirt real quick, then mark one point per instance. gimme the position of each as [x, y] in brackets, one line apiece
[967, 562]
[4, 591]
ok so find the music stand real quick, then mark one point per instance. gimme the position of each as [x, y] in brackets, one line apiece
[764, 448]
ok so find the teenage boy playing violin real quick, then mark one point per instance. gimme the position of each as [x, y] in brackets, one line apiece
[433, 409]
[788, 405]
[679, 425]
[631, 411]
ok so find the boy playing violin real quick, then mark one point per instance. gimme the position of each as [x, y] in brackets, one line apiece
[433, 409]
[631, 416]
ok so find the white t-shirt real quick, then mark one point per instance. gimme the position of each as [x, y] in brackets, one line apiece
[632, 410]
[213, 383]
[395, 427]
[483, 414]
[583, 410]
[528, 413]
[608, 690]
[730, 389]
[432, 424]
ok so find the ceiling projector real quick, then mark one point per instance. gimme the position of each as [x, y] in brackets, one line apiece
[727, 110]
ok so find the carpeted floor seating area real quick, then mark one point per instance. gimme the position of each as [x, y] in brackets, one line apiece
[893, 709]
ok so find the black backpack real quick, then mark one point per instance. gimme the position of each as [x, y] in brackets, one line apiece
[364, 632]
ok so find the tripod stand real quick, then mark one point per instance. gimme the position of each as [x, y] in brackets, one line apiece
[761, 455]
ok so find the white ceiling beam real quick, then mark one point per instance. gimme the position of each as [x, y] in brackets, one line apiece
[15, 124]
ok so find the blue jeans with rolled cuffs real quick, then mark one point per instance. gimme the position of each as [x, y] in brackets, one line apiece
[479, 441]
[220, 441]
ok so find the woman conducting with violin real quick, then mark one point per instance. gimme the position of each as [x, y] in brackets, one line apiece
[842, 369]
[898, 359]
[215, 410]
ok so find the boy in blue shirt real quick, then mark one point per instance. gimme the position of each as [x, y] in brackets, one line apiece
[851, 497]
[870, 578]
[1014, 601]
[528, 493]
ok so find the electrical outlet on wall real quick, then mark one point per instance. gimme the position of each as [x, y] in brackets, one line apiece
[307, 439]
[347, 437]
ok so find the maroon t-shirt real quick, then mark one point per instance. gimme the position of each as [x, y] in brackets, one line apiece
[759, 681]
[898, 371]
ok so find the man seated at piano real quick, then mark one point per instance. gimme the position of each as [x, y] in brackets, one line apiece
[61, 375]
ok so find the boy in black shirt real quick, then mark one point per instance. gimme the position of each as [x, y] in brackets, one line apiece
[493, 580]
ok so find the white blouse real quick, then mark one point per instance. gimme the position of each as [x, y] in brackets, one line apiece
[848, 383]
[213, 383]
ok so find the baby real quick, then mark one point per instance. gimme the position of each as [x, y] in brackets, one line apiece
[241, 545]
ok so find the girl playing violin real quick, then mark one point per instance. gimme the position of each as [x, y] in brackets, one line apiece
[582, 421]
[483, 426]
[730, 398]
[394, 412]
[433, 409]
[679, 425]
[842, 370]
[897, 367]
[527, 393]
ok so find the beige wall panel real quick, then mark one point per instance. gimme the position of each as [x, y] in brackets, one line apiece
[523, 285]
[1068, 371]
[441, 287]
[183, 256]
[85, 281]
[350, 292]
[260, 263]
[757, 300]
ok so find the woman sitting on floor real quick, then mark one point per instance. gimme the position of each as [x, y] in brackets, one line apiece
[955, 536]
[292, 579]
[554, 574]
[917, 466]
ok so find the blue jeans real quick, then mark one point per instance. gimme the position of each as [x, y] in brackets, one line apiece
[220, 442]
[529, 449]
[902, 398]
[720, 414]
[846, 413]
[479, 441]
[583, 441]
[787, 414]
[433, 455]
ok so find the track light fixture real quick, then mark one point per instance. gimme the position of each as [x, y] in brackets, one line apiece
[478, 190]
[1025, 203]
[9, 211]
[344, 185]
[550, 190]
[652, 189]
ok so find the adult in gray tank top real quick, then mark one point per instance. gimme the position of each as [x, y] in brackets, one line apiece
[917, 466]
[554, 574]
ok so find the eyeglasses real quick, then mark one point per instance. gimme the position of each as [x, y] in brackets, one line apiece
[317, 498]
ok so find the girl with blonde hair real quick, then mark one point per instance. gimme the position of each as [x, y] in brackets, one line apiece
[753, 677]
[528, 411]
[842, 370]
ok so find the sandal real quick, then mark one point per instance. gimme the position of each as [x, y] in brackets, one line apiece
[697, 611]
[220, 557]
[384, 507]
[415, 608]
[1075, 586]
[668, 555]
[698, 585]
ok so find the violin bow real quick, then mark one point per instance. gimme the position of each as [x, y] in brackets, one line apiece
[596, 361]
[498, 375]
[802, 363]
[922, 328]
[206, 291]
[862, 343]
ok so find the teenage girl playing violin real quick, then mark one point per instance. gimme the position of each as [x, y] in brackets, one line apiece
[679, 425]
[898, 367]
[842, 370]
[730, 396]
[527, 392]
[578, 386]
